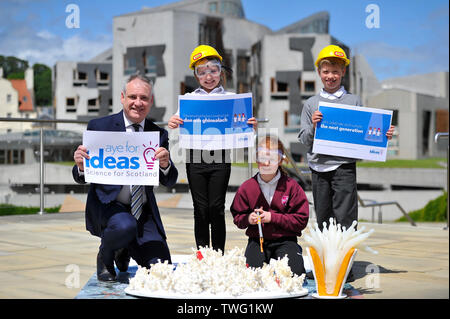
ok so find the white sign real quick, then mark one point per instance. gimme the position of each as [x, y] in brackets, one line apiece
[121, 158]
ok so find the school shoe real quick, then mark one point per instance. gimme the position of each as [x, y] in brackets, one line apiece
[122, 259]
[104, 272]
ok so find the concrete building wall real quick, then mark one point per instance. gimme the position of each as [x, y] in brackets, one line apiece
[184, 41]
[285, 57]
[144, 30]
[405, 104]
[9, 105]
[415, 129]
[64, 89]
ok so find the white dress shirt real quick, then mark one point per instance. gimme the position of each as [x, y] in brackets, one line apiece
[216, 91]
[333, 96]
[268, 189]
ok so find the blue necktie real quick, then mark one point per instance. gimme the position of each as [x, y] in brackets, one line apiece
[137, 192]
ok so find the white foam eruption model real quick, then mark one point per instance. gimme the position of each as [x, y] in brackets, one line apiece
[208, 273]
[332, 255]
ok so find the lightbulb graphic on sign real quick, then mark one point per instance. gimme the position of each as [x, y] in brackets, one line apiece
[149, 155]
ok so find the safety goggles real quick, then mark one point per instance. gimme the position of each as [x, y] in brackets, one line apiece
[264, 156]
[212, 67]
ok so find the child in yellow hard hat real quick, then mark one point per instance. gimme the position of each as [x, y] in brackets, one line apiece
[208, 181]
[333, 177]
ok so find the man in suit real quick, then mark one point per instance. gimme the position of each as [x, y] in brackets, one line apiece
[110, 209]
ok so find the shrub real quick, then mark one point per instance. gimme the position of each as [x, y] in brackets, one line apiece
[434, 211]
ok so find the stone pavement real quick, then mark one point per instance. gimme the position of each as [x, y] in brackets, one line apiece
[53, 256]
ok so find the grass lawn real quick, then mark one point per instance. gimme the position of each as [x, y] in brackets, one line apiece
[401, 163]
[438, 162]
[7, 209]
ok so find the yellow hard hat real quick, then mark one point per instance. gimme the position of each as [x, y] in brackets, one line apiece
[332, 51]
[203, 51]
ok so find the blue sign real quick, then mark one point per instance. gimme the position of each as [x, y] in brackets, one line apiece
[216, 122]
[352, 131]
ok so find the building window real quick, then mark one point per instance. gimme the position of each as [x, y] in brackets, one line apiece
[130, 65]
[2, 157]
[150, 64]
[25, 99]
[310, 86]
[210, 32]
[213, 7]
[282, 87]
[8, 98]
[70, 105]
[82, 76]
[441, 121]
[278, 87]
[102, 76]
[16, 159]
[242, 66]
[243, 87]
[426, 123]
[92, 105]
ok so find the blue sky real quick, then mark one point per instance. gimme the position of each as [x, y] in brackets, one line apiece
[412, 37]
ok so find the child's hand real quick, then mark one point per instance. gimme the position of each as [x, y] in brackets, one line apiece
[266, 217]
[252, 121]
[175, 121]
[316, 117]
[390, 132]
[253, 219]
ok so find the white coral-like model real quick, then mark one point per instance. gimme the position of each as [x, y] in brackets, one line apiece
[209, 273]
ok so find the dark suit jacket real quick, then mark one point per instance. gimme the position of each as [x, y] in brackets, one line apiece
[100, 195]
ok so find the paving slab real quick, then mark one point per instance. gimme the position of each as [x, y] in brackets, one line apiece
[53, 256]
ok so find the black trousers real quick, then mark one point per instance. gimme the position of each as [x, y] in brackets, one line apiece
[121, 230]
[208, 184]
[335, 195]
[275, 249]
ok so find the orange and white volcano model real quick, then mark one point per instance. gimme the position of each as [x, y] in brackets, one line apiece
[331, 253]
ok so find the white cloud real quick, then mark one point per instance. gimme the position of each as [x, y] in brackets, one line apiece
[45, 34]
[47, 48]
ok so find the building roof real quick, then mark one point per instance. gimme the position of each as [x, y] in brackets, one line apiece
[104, 57]
[227, 8]
[25, 101]
[315, 23]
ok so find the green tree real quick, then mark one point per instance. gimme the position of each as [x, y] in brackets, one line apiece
[13, 65]
[42, 84]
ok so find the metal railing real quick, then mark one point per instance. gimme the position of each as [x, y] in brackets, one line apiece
[437, 137]
[41, 148]
[85, 122]
[361, 201]
[249, 158]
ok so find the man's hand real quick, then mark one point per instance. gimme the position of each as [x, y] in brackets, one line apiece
[78, 156]
[162, 155]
